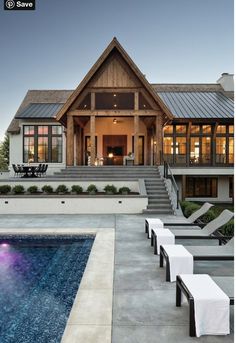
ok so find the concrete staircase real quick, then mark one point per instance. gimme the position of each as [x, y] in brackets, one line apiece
[158, 198]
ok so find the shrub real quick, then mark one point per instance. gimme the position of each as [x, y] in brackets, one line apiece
[208, 216]
[4, 189]
[76, 189]
[32, 189]
[190, 208]
[18, 189]
[184, 204]
[124, 190]
[92, 189]
[62, 189]
[47, 189]
[228, 229]
[110, 189]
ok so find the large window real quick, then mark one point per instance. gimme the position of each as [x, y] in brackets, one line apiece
[198, 187]
[225, 144]
[175, 144]
[42, 143]
[201, 144]
[114, 101]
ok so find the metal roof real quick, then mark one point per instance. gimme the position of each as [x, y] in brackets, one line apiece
[40, 110]
[205, 105]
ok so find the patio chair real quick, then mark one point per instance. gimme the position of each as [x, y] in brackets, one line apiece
[16, 170]
[190, 221]
[44, 169]
[38, 170]
[205, 233]
[225, 283]
[201, 253]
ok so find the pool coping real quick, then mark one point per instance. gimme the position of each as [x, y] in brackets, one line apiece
[90, 318]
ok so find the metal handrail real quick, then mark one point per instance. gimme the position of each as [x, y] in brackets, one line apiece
[171, 176]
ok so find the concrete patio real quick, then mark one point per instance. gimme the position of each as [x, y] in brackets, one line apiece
[143, 303]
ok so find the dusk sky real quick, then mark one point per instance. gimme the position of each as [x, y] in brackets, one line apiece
[53, 47]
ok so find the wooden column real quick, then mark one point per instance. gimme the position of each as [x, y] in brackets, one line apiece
[70, 141]
[158, 139]
[136, 134]
[78, 146]
[92, 140]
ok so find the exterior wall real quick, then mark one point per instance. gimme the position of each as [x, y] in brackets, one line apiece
[227, 82]
[125, 126]
[222, 192]
[16, 148]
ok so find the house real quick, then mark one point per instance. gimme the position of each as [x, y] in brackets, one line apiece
[116, 112]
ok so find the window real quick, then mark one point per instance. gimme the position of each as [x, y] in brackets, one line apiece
[195, 129]
[221, 150]
[85, 104]
[180, 129]
[197, 187]
[42, 144]
[143, 103]
[206, 150]
[194, 150]
[206, 129]
[168, 149]
[114, 101]
[225, 144]
[168, 129]
[180, 150]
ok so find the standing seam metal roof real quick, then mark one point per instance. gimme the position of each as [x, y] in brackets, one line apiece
[198, 104]
[40, 110]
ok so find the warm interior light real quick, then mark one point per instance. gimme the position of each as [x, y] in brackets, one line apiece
[85, 106]
[114, 121]
[114, 105]
[110, 155]
[114, 94]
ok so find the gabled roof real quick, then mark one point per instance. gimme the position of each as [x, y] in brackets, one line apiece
[113, 45]
[198, 105]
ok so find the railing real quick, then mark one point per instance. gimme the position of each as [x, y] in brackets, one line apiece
[168, 175]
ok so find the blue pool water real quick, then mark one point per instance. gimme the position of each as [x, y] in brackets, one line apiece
[39, 278]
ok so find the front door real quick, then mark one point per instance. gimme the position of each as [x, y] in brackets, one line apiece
[114, 149]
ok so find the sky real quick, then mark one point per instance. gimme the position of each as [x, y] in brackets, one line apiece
[53, 47]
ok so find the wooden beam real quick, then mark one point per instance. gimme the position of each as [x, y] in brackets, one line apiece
[79, 121]
[136, 136]
[159, 139]
[92, 101]
[92, 140]
[136, 101]
[112, 113]
[70, 141]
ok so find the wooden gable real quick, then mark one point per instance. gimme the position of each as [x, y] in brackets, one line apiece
[114, 69]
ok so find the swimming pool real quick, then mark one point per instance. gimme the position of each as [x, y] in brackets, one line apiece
[39, 279]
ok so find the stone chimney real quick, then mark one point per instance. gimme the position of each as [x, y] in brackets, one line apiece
[227, 82]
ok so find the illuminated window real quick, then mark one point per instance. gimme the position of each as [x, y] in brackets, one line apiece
[168, 129]
[42, 144]
[195, 129]
[194, 150]
[221, 129]
[206, 129]
[231, 129]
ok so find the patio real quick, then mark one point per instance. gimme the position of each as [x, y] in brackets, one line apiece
[143, 303]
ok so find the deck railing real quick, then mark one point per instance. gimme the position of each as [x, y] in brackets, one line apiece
[168, 175]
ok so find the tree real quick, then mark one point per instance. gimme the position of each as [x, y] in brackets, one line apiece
[4, 153]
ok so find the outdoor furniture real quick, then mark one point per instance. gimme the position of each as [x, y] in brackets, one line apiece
[189, 221]
[189, 285]
[151, 223]
[205, 233]
[194, 216]
[28, 171]
[16, 169]
[165, 236]
[198, 253]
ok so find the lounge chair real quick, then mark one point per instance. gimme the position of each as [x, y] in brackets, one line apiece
[194, 216]
[202, 253]
[190, 221]
[226, 283]
[205, 233]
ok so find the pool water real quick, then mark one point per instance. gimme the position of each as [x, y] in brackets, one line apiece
[39, 279]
